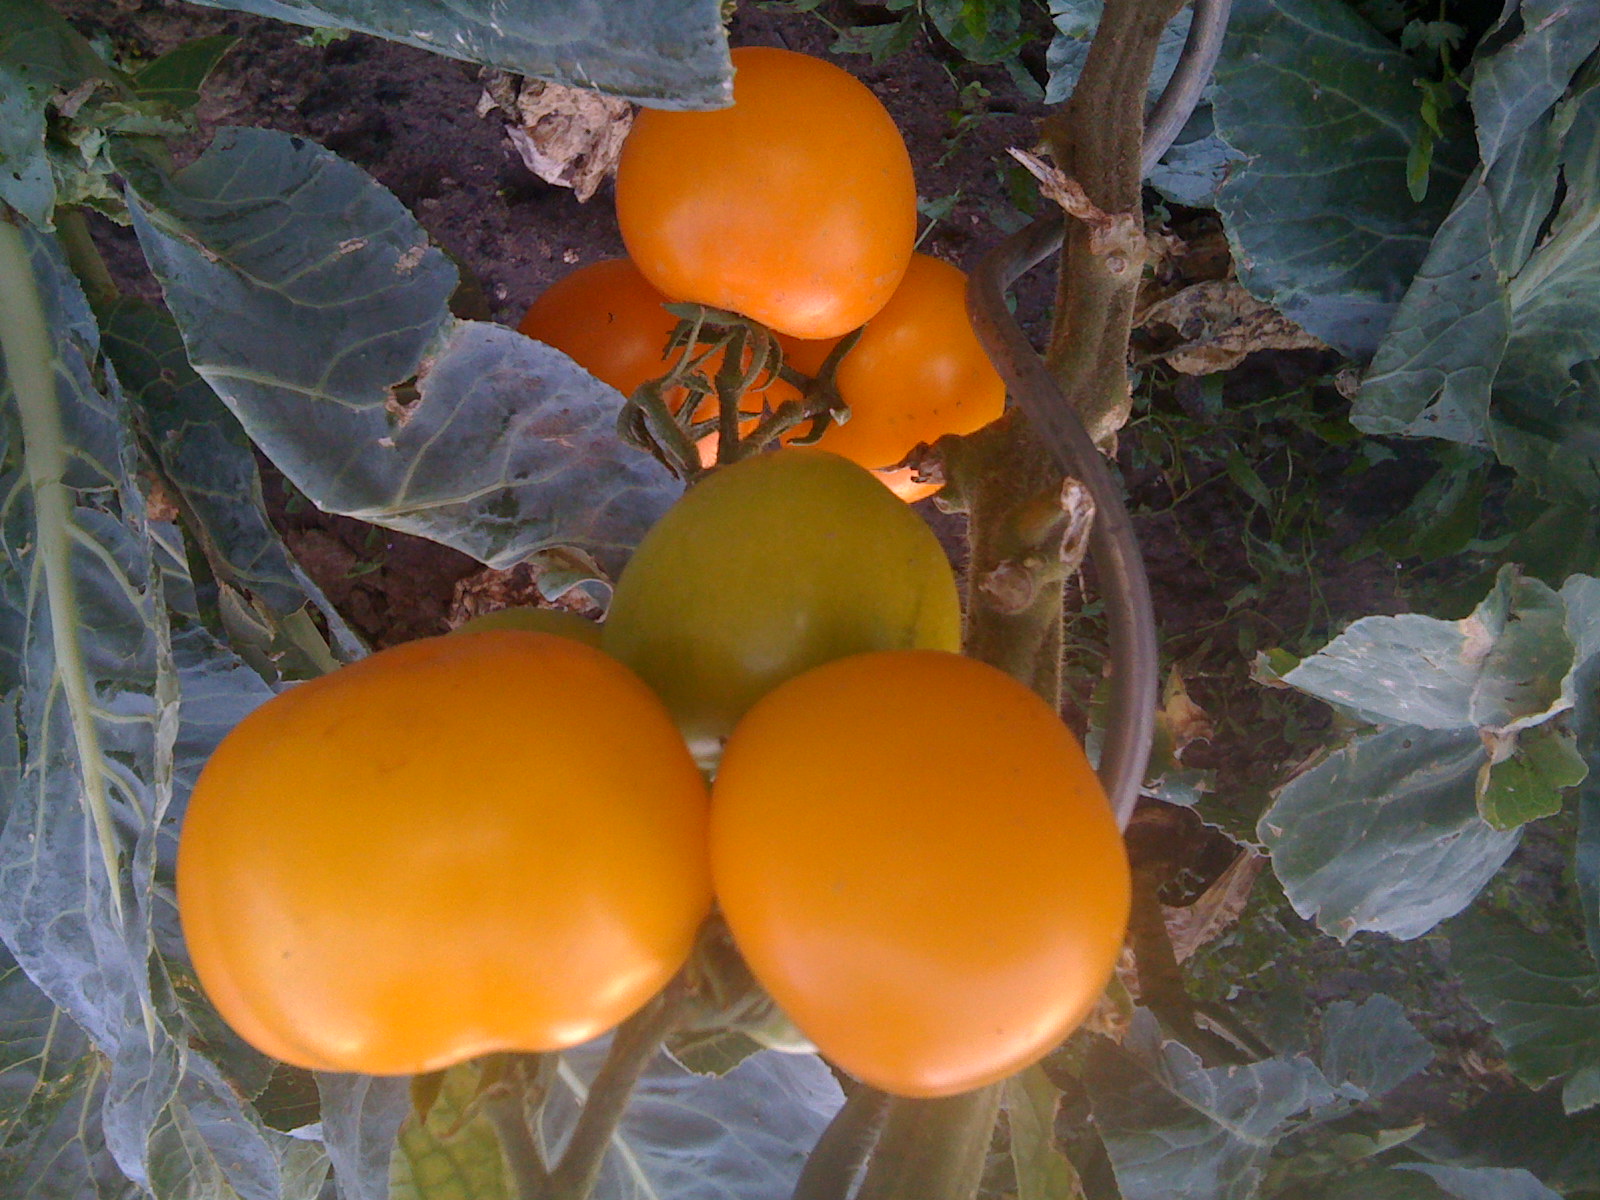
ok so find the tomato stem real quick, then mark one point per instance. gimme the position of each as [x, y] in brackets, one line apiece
[633, 1045]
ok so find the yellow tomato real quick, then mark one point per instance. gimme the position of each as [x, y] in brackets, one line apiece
[795, 206]
[454, 846]
[536, 620]
[920, 866]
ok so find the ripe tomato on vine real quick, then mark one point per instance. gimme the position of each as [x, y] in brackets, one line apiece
[795, 206]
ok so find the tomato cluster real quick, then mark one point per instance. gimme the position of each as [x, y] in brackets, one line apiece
[502, 841]
[506, 841]
[796, 206]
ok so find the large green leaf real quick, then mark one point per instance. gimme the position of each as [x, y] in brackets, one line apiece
[309, 300]
[1541, 997]
[1384, 834]
[1516, 85]
[1483, 1183]
[361, 1119]
[118, 694]
[667, 53]
[1506, 667]
[262, 596]
[1497, 341]
[1176, 1128]
[52, 1085]
[41, 58]
[1325, 111]
[744, 1134]
[1371, 1045]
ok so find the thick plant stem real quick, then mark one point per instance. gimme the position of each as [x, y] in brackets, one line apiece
[1096, 139]
[835, 1162]
[1011, 489]
[634, 1044]
[933, 1149]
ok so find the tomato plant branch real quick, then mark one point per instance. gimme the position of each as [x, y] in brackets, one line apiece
[933, 1149]
[633, 1045]
[1097, 142]
[1161, 986]
[834, 1164]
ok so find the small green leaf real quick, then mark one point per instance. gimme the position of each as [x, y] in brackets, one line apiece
[1043, 1171]
[449, 1149]
[1528, 784]
[178, 75]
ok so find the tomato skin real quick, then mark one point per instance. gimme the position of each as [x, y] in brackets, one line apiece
[765, 569]
[536, 620]
[608, 319]
[795, 206]
[918, 863]
[454, 846]
[917, 373]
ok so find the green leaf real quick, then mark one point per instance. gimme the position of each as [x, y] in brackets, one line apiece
[453, 1151]
[1527, 785]
[1541, 997]
[1324, 109]
[1446, 514]
[361, 1119]
[1506, 667]
[878, 41]
[664, 53]
[744, 1134]
[118, 695]
[1176, 1128]
[1496, 343]
[982, 31]
[1483, 1183]
[1384, 834]
[41, 58]
[1513, 1127]
[1371, 1045]
[52, 1082]
[1517, 84]
[1043, 1171]
[178, 75]
[206, 457]
[310, 300]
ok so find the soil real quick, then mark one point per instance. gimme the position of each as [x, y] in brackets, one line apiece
[410, 119]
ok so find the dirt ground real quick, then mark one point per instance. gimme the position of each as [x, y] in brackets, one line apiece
[410, 119]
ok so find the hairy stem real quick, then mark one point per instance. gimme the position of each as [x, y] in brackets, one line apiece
[836, 1160]
[933, 1149]
[634, 1044]
[1096, 139]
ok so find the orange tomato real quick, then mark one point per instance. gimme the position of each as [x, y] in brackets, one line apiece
[536, 620]
[919, 865]
[795, 206]
[917, 373]
[608, 319]
[454, 846]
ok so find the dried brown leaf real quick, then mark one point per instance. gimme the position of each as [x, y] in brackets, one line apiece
[1215, 324]
[569, 136]
[1219, 907]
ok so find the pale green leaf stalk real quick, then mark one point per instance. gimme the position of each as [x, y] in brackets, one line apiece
[26, 345]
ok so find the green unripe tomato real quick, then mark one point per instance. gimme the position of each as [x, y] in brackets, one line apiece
[765, 569]
[537, 620]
